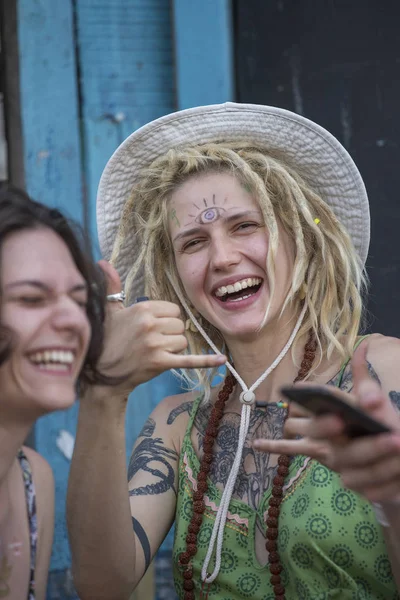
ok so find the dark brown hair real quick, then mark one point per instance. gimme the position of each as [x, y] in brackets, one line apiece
[18, 212]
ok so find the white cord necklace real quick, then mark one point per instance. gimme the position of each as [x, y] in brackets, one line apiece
[247, 398]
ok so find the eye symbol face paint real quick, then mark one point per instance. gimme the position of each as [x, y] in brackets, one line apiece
[209, 215]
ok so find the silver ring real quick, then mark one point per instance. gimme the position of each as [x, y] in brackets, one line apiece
[119, 297]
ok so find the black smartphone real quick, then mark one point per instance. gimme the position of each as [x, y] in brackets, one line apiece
[321, 401]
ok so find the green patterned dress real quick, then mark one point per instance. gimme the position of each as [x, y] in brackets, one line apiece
[330, 543]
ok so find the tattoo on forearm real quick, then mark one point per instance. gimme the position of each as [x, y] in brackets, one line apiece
[184, 407]
[151, 456]
[148, 428]
[144, 541]
[395, 398]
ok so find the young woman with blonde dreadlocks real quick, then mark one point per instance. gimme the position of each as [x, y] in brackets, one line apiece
[251, 224]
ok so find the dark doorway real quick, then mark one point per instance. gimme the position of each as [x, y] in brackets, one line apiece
[338, 63]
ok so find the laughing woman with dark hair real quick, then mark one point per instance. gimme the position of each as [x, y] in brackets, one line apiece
[51, 334]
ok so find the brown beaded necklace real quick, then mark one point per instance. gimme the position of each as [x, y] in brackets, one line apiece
[199, 506]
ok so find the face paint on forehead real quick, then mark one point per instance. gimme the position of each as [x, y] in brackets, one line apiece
[247, 187]
[211, 213]
[173, 216]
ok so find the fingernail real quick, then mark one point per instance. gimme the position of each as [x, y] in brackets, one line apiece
[257, 444]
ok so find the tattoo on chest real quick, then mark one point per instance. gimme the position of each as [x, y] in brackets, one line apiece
[257, 468]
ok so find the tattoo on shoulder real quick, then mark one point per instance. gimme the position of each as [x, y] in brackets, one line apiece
[151, 456]
[144, 542]
[395, 398]
[345, 380]
[148, 428]
[182, 408]
[373, 373]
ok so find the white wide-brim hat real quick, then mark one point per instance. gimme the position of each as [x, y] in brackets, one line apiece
[318, 155]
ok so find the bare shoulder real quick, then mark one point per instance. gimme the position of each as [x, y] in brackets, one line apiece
[170, 418]
[175, 410]
[379, 341]
[384, 355]
[383, 350]
[42, 473]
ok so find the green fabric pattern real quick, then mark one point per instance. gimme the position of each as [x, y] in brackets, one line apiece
[331, 545]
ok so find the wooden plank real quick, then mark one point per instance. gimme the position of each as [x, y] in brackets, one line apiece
[127, 76]
[127, 79]
[203, 51]
[49, 104]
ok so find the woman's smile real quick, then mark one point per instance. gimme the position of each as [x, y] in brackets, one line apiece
[44, 307]
[221, 249]
[238, 293]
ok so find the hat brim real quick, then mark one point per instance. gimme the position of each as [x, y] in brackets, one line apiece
[318, 155]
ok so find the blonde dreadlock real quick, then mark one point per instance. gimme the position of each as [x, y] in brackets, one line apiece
[325, 258]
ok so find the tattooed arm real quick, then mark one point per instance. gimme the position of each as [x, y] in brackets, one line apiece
[114, 533]
[152, 477]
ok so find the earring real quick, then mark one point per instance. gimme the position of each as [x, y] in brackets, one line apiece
[303, 291]
[189, 325]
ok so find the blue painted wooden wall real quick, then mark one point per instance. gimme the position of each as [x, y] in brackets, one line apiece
[49, 104]
[90, 73]
[127, 76]
[203, 52]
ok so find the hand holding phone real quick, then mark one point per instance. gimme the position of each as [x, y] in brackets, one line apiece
[321, 401]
